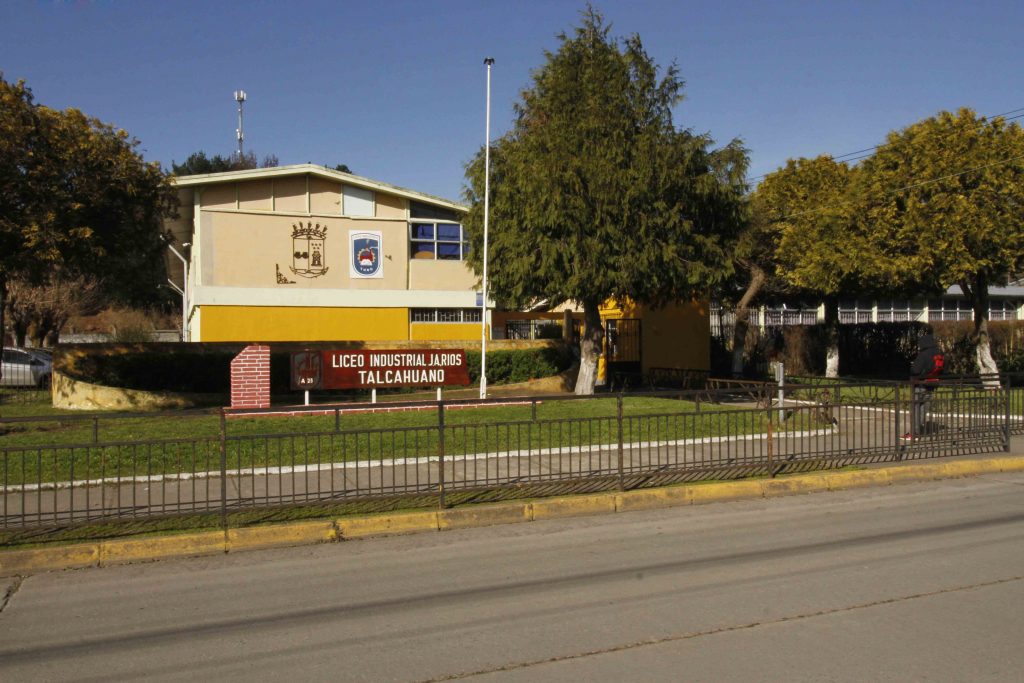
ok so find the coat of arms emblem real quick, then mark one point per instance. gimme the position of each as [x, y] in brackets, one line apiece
[308, 249]
[365, 254]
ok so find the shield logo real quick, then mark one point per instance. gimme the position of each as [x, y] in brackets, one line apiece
[306, 370]
[366, 254]
[308, 249]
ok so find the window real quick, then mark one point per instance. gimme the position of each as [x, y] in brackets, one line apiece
[357, 201]
[435, 213]
[444, 315]
[440, 241]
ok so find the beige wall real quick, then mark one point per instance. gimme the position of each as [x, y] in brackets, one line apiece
[289, 194]
[390, 206]
[242, 250]
[434, 275]
[324, 196]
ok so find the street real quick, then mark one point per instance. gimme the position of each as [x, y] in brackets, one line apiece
[908, 582]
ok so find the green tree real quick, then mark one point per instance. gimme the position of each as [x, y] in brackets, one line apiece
[198, 163]
[595, 194]
[945, 198]
[806, 211]
[76, 198]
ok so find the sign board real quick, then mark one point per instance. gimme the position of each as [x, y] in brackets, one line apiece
[379, 369]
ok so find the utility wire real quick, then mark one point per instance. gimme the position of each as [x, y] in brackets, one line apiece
[868, 151]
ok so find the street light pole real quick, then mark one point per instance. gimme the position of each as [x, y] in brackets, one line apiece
[489, 61]
[183, 291]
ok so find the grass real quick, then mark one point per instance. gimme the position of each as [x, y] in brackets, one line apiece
[144, 446]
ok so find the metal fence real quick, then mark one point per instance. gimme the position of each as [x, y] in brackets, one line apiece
[59, 472]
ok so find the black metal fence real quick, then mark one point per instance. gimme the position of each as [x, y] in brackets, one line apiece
[58, 472]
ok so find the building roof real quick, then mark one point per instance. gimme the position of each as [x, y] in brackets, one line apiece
[314, 170]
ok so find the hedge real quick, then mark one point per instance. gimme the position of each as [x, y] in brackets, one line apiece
[206, 368]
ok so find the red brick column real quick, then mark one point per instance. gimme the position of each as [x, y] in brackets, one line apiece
[250, 377]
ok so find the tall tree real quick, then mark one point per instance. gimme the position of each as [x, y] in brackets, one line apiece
[808, 213]
[76, 196]
[945, 198]
[596, 194]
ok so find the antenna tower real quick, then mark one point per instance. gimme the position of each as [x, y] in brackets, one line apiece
[240, 98]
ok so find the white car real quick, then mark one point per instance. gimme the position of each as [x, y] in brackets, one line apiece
[26, 368]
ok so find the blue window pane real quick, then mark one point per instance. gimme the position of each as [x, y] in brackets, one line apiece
[449, 233]
[423, 231]
[448, 251]
[422, 250]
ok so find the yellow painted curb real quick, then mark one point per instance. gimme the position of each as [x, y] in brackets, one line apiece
[787, 486]
[213, 542]
[573, 507]
[277, 535]
[120, 551]
[379, 525]
[729, 490]
[46, 559]
[652, 499]
[465, 518]
[838, 481]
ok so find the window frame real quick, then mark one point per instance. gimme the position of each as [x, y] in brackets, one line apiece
[436, 242]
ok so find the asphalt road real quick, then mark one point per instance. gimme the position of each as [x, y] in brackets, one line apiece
[902, 583]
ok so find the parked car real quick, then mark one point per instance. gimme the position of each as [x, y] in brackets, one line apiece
[26, 368]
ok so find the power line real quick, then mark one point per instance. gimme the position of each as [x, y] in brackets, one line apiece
[868, 151]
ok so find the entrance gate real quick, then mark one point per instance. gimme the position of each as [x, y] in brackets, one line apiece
[622, 346]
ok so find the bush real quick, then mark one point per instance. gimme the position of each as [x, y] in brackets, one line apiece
[206, 368]
[520, 365]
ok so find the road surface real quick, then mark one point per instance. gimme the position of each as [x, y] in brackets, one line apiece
[908, 582]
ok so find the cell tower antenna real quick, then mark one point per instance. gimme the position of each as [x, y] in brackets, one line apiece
[240, 98]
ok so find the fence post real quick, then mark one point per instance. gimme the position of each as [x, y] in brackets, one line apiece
[622, 481]
[440, 454]
[224, 473]
[1006, 423]
[896, 412]
[533, 410]
[337, 420]
[771, 447]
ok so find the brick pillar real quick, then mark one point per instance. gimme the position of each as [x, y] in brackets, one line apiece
[250, 377]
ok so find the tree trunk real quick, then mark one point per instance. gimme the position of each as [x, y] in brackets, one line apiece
[978, 295]
[590, 349]
[742, 321]
[831, 337]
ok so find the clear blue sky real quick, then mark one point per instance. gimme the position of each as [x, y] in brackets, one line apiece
[395, 89]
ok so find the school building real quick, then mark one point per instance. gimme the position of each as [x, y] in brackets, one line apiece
[306, 253]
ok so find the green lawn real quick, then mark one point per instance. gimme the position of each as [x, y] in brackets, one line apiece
[43, 452]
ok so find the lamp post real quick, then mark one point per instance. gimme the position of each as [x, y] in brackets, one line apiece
[183, 290]
[489, 61]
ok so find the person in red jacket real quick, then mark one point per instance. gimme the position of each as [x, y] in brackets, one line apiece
[928, 366]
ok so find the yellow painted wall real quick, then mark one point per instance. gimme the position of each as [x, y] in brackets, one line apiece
[677, 336]
[281, 323]
[445, 331]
